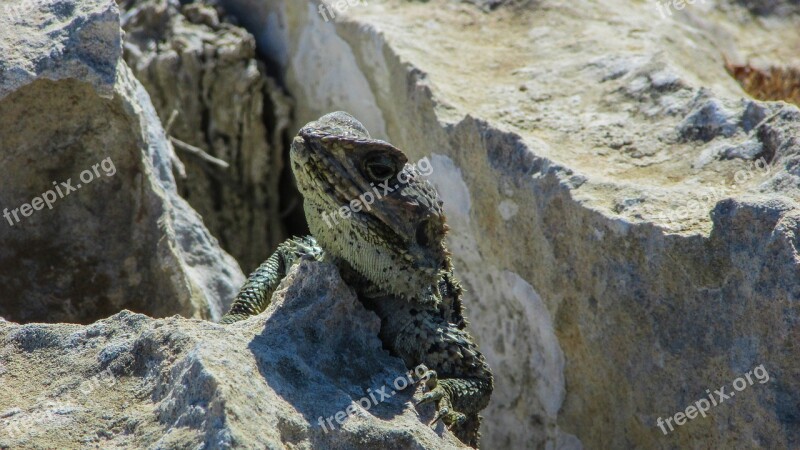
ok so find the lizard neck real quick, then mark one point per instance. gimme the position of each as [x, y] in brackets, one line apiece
[428, 295]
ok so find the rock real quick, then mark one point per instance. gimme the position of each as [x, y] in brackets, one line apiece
[92, 220]
[130, 381]
[200, 66]
[83, 44]
[624, 218]
[771, 7]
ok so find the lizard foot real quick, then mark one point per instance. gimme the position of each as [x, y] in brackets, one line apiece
[444, 406]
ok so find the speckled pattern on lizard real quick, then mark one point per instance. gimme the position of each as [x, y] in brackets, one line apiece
[392, 252]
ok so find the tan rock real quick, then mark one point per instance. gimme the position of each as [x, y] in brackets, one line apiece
[624, 244]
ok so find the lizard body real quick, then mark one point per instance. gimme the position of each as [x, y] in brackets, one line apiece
[392, 252]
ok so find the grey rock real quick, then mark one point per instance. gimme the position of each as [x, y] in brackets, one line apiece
[57, 40]
[120, 236]
[130, 381]
[772, 7]
[708, 120]
[748, 150]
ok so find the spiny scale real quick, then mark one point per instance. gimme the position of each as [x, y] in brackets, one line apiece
[407, 280]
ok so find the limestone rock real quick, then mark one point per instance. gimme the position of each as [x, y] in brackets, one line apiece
[624, 217]
[130, 381]
[200, 66]
[93, 223]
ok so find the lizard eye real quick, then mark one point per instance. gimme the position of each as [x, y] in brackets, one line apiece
[379, 168]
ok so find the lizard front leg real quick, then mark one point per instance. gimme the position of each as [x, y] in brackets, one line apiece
[459, 381]
[255, 295]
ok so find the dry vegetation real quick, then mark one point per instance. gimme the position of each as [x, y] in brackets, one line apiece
[776, 83]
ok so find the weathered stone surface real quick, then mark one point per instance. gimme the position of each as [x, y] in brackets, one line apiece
[72, 113]
[771, 7]
[198, 65]
[625, 220]
[624, 216]
[57, 40]
[130, 381]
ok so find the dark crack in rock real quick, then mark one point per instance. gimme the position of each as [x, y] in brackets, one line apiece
[201, 67]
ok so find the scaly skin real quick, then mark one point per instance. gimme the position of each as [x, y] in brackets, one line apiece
[392, 252]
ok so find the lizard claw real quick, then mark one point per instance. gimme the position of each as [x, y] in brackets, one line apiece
[446, 414]
[444, 409]
[415, 373]
[433, 396]
[426, 376]
[440, 414]
[457, 418]
[431, 381]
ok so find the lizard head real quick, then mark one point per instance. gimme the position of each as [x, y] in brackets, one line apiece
[368, 207]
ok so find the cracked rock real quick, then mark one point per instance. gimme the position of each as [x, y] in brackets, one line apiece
[273, 381]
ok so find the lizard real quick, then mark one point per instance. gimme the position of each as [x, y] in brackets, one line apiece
[392, 252]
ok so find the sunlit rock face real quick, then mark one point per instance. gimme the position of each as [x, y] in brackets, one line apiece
[623, 215]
